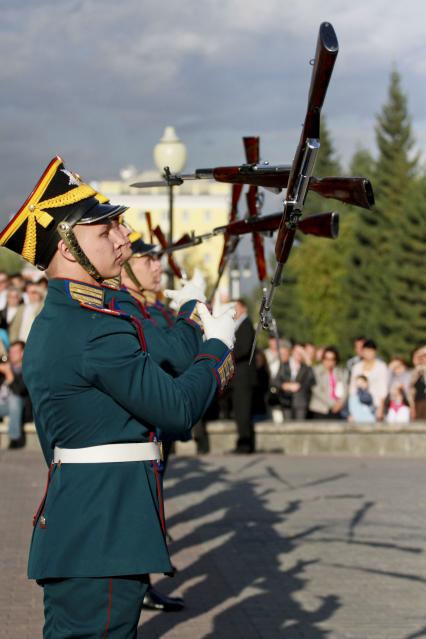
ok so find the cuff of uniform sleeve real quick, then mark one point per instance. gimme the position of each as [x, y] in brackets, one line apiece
[189, 313]
[224, 363]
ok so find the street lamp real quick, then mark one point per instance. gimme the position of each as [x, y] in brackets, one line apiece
[171, 152]
[240, 266]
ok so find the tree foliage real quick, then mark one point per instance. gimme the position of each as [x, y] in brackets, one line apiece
[10, 262]
[383, 283]
[372, 279]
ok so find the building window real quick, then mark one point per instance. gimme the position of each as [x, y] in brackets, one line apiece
[207, 215]
[185, 217]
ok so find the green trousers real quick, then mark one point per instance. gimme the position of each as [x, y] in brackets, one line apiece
[93, 608]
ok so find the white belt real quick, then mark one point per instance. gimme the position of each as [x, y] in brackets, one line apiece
[146, 451]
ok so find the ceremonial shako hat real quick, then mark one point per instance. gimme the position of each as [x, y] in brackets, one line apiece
[141, 248]
[59, 201]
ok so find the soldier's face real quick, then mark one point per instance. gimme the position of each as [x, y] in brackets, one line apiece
[95, 241]
[148, 271]
[119, 235]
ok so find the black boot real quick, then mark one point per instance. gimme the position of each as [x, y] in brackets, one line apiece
[16, 443]
[155, 600]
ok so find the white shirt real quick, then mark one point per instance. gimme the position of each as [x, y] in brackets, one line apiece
[400, 416]
[377, 376]
[3, 299]
[28, 317]
[294, 368]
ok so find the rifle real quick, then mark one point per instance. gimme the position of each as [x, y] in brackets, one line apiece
[303, 165]
[356, 191]
[320, 224]
[229, 244]
[148, 220]
[164, 245]
[254, 204]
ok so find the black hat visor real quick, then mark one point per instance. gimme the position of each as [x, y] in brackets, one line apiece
[91, 211]
[141, 248]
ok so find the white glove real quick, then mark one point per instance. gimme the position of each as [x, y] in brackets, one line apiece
[198, 280]
[220, 307]
[189, 291]
[222, 327]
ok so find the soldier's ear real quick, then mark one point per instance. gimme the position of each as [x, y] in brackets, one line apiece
[65, 252]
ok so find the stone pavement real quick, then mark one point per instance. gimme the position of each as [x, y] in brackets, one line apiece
[267, 546]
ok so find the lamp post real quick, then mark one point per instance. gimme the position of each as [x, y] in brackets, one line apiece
[171, 152]
[240, 266]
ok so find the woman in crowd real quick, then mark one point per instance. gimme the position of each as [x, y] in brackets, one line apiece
[330, 390]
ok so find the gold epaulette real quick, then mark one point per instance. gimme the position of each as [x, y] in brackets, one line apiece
[86, 293]
[113, 282]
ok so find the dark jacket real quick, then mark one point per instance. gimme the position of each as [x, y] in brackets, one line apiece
[245, 373]
[305, 377]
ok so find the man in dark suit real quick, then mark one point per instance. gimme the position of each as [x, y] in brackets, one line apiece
[244, 381]
[294, 384]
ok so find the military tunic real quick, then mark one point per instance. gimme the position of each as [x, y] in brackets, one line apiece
[173, 348]
[92, 382]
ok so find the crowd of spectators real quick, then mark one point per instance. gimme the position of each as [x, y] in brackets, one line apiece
[295, 381]
[21, 299]
[309, 382]
[288, 381]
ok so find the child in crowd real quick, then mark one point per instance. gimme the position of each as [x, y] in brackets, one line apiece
[397, 408]
[361, 406]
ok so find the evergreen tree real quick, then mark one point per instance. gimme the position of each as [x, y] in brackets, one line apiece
[379, 307]
[409, 273]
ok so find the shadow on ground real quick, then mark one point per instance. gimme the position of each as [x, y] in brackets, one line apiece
[243, 574]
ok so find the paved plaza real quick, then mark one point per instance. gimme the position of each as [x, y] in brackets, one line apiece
[266, 546]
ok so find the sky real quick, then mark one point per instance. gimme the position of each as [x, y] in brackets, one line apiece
[96, 81]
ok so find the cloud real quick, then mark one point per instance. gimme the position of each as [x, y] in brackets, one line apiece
[97, 80]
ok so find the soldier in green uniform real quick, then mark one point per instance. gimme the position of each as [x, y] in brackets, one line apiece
[172, 347]
[98, 397]
[173, 342]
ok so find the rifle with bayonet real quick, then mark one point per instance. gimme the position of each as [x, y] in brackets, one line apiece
[303, 165]
[320, 224]
[356, 191]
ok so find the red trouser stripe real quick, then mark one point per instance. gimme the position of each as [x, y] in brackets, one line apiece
[105, 634]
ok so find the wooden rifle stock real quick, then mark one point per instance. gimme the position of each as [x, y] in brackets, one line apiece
[164, 245]
[251, 146]
[149, 225]
[356, 191]
[182, 241]
[321, 224]
[350, 190]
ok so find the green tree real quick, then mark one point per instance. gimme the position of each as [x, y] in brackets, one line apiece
[379, 305]
[10, 262]
[409, 273]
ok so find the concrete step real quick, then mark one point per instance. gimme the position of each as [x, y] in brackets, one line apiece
[298, 438]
